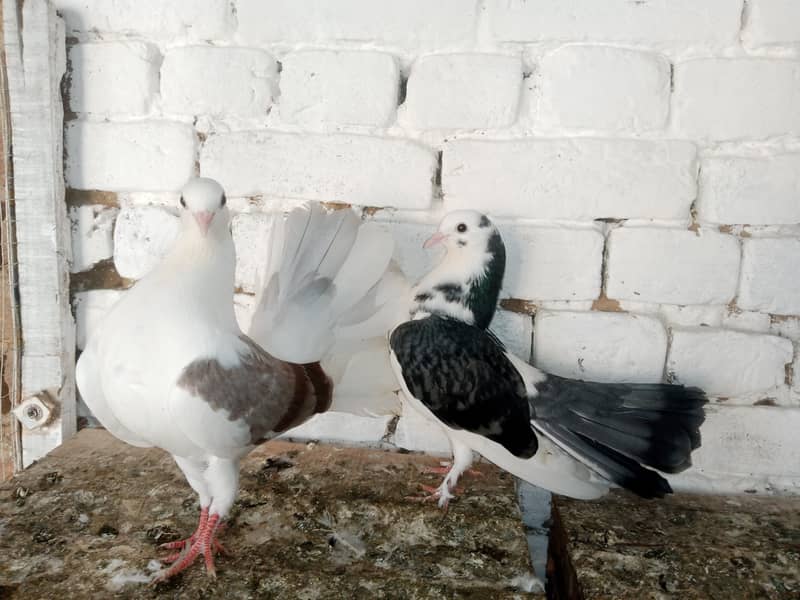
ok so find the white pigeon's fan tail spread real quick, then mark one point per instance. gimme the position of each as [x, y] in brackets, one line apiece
[330, 293]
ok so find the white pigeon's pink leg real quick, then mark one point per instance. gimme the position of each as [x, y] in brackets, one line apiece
[204, 544]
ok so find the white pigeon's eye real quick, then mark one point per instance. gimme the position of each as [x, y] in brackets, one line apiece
[224, 200]
[183, 202]
[461, 228]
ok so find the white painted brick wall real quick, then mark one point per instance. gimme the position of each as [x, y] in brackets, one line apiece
[726, 99]
[548, 114]
[672, 266]
[772, 23]
[462, 91]
[656, 22]
[756, 191]
[92, 228]
[205, 80]
[113, 78]
[552, 263]
[577, 179]
[629, 90]
[771, 275]
[144, 156]
[358, 169]
[321, 87]
[600, 346]
[407, 24]
[728, 363]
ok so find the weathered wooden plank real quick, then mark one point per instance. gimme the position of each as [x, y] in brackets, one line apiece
[35, 58]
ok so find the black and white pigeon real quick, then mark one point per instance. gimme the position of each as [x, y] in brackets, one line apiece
[575, 438]
[169, 366]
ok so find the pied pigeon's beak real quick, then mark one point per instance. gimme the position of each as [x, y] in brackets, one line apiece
[435, 239]
[203, 218]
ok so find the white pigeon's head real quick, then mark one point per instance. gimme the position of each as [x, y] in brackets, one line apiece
[203, 209]
[467, 282]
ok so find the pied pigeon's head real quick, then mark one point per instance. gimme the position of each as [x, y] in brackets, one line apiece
[203, 210]
[467, 282]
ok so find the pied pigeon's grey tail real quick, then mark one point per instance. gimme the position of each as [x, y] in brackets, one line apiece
[621, 429]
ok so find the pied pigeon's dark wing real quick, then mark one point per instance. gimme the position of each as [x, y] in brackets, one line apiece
[462, 375]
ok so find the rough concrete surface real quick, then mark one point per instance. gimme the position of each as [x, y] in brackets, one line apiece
[311, 521]
[687, 547]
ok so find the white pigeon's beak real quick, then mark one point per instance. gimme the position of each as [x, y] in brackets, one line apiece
[435, 239]
[203, 218]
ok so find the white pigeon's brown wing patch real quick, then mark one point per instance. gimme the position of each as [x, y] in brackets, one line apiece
[266, 393]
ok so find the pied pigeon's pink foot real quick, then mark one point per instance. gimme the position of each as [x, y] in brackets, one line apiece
[444, 469]
[442, 494]
[204, 544]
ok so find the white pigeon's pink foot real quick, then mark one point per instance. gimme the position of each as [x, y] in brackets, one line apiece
[181, 544]
[204, 543]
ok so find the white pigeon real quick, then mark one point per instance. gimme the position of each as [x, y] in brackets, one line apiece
[169, 366]
[575, 438]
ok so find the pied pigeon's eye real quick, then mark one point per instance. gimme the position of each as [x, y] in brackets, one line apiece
[183, 202]
[224, 200]
[461, 228]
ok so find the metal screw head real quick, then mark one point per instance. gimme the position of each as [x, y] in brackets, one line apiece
[33, 412]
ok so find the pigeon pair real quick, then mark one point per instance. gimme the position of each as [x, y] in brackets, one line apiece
[170, 367]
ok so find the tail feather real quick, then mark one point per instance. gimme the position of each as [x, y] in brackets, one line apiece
[621, 429]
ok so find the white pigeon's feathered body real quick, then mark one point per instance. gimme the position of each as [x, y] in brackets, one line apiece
[169, 366]
[572, 437]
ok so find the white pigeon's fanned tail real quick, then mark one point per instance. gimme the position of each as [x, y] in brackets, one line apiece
[330, 293]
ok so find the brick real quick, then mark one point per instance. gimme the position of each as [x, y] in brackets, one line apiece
[515, 330]
[577, 179]
[251, 238]
[179, 19]
[412, 23]
[207, 80]
[320, 87]
[552, 263]
[629, 90]
[770, 281]
[755, 191]
[419, 434]
[147, 156]
[357, 169]
[693, 315]
[414, 260]
[142, 236]
[112, 78]
[711, 22]
[92, 228]
[337, 427]
[600, 346]
[728, 363]
[746, 447]
[724, 99]
[462, 91]
[90, 308]
[772, 22]
[746, 320]
[672, 266]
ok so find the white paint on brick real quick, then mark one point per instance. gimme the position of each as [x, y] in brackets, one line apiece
[772, 22]
[674, 266]
[143, 156]
[412, 258]
[113, 78]
[747, 447]
[756, 191]
[580, 179]
[337, 427]
[727, 99]
[600, 346]
[142, 236]
[515, 330]
[603, 88]
[357, 169]
[728, 363]
[322, 87]
[90, 308]
[244, 306]
[687, 316]
[419, 434]
[771, 275]
[92, 228]
[408, 24]
[552, 263]
[656, 22]
[788, 327]
[207, 80]
[746, 320]
[251, 238]
[174, 20]
[462, 91]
